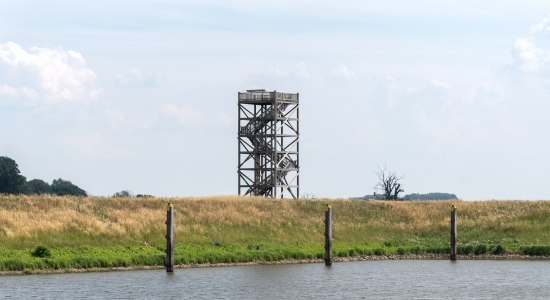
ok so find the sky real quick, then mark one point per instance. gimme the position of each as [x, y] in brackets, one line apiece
[142, 95]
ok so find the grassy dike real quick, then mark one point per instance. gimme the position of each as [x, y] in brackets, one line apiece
[59, 233]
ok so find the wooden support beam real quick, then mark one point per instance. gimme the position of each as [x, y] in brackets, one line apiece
[170, 238]
[453, 233]
[328, 236]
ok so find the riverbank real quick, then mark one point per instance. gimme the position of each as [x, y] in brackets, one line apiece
[511, 257]
[64, 233]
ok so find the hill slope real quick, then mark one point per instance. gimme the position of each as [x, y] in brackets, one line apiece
[110, 232]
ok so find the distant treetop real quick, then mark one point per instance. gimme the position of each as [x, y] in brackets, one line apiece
[430, 196]
[11, 180]
[414, 197]
[124, 193]
[37, 187]
[62, 187]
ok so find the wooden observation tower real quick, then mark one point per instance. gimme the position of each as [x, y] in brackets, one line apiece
[268, 137]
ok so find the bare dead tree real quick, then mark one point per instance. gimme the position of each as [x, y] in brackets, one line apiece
[388, 184]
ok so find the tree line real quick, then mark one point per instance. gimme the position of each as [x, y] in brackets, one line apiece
[12, 182]
[430, 196]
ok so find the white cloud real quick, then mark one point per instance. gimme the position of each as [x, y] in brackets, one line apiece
[345, 72]
[53, 75]
[528, 56]
[135, 77]
[8, 90]
[532, 52]
[23, 91]
[183, 113]
[541, 27]
[441, 84]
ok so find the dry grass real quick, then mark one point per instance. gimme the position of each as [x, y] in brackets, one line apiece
[26, 221]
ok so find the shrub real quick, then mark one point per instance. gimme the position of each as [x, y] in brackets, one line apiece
[536, 250]
[499, 249]
[379, 252]
[41, 251]
[465, 249]
[480, 249]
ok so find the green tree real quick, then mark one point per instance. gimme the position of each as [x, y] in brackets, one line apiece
[37, 187]
[62, 187]
[11, 181]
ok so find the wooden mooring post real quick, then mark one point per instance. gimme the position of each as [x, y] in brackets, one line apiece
[328, 236]
[169, 238]
[453, 233]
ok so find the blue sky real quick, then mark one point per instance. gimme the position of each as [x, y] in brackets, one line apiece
[141, 95]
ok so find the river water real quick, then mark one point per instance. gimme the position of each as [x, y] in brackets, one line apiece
[390, 279]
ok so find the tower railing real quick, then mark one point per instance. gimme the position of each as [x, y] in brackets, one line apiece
[264, 96]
